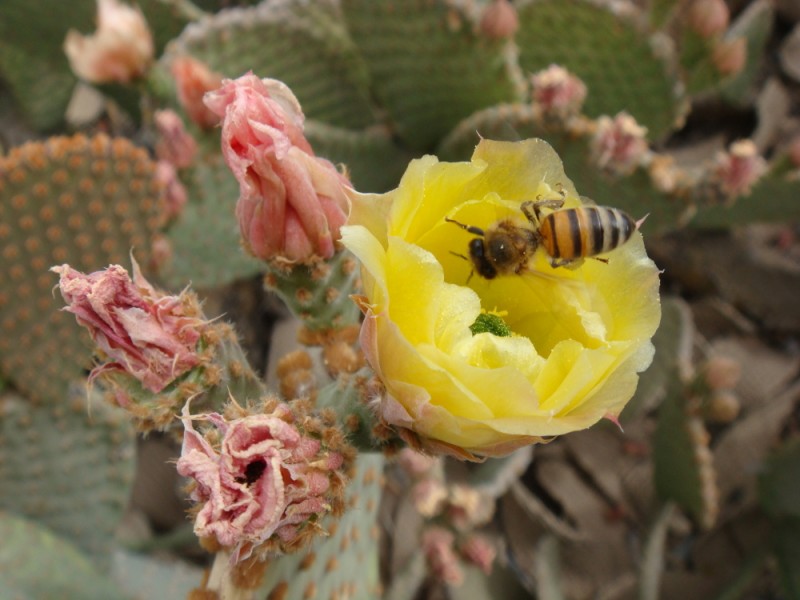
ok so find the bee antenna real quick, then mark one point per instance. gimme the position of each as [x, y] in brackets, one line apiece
[459, 255]
[642, 220]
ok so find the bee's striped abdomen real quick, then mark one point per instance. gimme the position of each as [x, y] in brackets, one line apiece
[573, 233]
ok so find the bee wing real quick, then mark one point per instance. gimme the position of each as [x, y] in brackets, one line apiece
[588, 201]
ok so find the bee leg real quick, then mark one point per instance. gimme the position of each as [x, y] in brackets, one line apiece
[469, 228]
[532, 209]
[602, 260]
[567, 263]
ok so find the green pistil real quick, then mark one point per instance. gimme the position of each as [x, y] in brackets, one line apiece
[489, 323]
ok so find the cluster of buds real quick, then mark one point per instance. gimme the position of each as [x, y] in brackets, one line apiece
[619, 145]
[557, 92]
[263, 477]
[175, 149]
[453, 513]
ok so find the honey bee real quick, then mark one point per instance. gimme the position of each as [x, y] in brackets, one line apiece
[567, 235]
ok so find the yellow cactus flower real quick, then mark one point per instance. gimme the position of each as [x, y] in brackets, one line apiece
[475, 366]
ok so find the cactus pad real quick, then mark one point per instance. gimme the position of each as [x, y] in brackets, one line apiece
[429, 66]
[617, 61]
[301, 43]
[68, 466]
[82, 201]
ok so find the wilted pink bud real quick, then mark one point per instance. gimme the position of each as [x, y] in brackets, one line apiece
[499, 20]
[480, 551]
[708, 18]
[557, 91]
[175, 192]
[149, 335]
[121, 49]
[193, 79]
[175, 145]
[263, 481]
[437, 545]
[619, 144]
[736, 170]
[730, 56]
[291, 203]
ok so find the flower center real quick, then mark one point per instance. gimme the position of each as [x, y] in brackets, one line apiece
[253, 472]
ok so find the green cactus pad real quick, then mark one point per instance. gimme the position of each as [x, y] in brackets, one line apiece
[68, 466]
[83, 201]
[430, 67]
[35, 564]
[779, 482]
[301, 43]
[205, 238]
[32, 60]
[319, 294]
[374, 161]
[621, 66]
[344, 564]
[755, 25]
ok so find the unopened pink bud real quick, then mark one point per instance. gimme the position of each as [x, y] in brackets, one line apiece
[557, 91]
[193, 79]
[121, 49]
[619, 144]
[438, 547]
[175, 145]
[729, 57]
[499, 20]
[175, 195]
[722, 372]
[708, 18]
[291, 203]
[480, 551]
[737, 170]
[149, 335]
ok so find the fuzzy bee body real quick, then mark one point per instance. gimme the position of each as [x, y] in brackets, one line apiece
[570, 234]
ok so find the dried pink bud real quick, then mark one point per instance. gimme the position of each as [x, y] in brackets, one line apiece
[121, 49]
[193, 79]
[262, 483]
[480, 551]
[735, 171]
[619, 144]
[429, 496]
[147, 334]
[499, 20]
[291, 203]
[557, 91]
[708, 18]
[175, 195]
[437, 545]
[175, 145]
[415, 463]
[722, 372]
[730, 56]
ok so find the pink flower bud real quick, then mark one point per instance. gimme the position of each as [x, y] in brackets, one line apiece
[415, 463]
[149, 335]
[193, 79]
[619, 144]
[734, 172]
[708, 18]
[437, 545]
[175, 145]
[480, 551]
[264, 480]
[722, 373]
[291, 203]
[557, 91]
[499, 20]
[468, 508]
[175, 195]
[121, 49]
[429, 496]
[729, 57]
